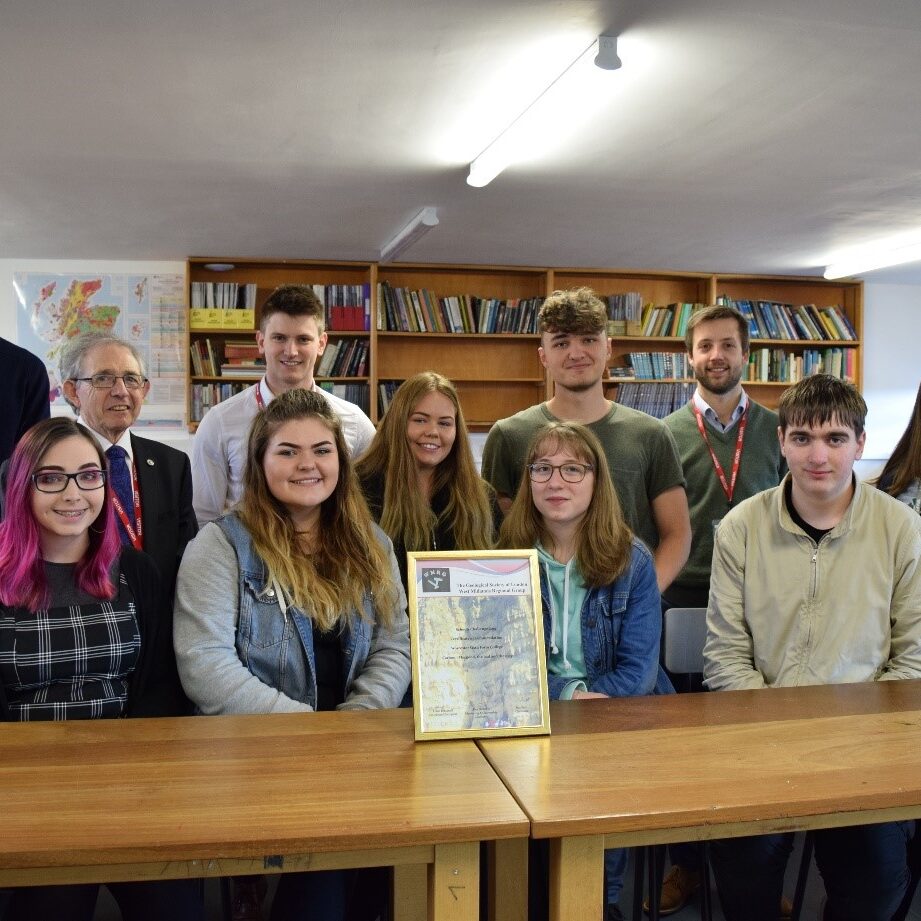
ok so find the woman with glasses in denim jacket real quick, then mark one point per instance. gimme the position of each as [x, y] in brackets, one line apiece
[601, 603]
[80, 633]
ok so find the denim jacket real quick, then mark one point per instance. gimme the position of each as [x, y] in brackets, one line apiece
[267, 664]
[621, 630]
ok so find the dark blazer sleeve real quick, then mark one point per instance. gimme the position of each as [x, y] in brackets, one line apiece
[165, 484]
[154, 689]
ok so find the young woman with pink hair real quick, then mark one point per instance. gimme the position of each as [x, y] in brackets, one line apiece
[80, 633]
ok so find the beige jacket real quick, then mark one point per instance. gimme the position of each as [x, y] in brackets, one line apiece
[785, 611]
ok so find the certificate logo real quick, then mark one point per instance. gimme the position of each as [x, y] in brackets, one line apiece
[436, 579]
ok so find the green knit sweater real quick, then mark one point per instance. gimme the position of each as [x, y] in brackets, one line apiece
[761, 467]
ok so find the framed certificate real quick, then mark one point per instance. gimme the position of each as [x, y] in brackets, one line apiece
[479, 666]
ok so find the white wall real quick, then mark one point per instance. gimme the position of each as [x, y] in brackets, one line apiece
[891, 362]
[891, 352]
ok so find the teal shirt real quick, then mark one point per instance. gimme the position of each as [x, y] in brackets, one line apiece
[567, 597]
[761, 467]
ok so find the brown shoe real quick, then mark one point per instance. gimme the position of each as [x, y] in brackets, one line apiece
[248, 893]
[786, 908]
[677, 888]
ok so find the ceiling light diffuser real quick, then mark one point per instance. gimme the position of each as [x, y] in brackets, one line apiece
[417, 228]
[573, 87]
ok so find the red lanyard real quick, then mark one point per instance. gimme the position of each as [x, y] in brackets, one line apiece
[136, 533]
[260, 401]
[730, 487]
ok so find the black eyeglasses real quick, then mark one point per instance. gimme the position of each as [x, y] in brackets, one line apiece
[57, 482]
[107, 381]
[571, 473]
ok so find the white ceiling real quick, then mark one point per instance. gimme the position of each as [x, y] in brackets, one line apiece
[757, 136]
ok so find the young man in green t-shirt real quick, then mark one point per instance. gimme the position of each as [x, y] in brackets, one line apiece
[645, 470]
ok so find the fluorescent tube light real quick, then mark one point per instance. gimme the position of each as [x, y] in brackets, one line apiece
[417, 228]
[871, 258]
[514, 140]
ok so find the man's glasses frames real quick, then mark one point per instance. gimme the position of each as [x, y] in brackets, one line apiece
[107, 381]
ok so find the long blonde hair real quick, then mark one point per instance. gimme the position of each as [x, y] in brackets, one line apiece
[604, 540]
[349, 560]
[406, 514]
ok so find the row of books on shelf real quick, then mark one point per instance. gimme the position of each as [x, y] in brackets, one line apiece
[385, 393]
[204, 396]
[348, 307]
[222, 305]
[358, 393]
[625, 313]
[226, 295]
[228, 305]
[654, 366]
[765, 365]
[232, 358]
[405, 310]
[670, 320]
[344, 358]
[772, 320]
[657, 398]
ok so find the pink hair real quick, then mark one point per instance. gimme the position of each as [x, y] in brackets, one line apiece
[22, 573]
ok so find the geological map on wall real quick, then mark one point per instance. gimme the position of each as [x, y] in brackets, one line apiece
[147, 310]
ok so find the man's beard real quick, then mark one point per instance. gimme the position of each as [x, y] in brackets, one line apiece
[730, 383]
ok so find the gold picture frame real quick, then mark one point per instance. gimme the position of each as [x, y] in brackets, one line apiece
[477, 634]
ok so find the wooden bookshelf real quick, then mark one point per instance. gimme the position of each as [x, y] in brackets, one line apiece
[498, 374]
[268, 275]
[663, 288]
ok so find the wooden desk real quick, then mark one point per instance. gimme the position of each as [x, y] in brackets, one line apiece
[701, 766]
[111, 800]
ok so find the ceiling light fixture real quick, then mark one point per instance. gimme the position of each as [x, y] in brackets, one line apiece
[417, 228]
[512, 141]
[874, 257]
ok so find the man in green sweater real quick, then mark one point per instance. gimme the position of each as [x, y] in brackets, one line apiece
[729, 451]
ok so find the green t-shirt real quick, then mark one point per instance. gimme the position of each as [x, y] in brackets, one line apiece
[640, 452]
[760, 467]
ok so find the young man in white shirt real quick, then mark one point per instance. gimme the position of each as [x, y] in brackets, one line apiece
[292, 336]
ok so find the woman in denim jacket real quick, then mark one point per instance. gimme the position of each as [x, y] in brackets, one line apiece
[274, 604]
[601, 604]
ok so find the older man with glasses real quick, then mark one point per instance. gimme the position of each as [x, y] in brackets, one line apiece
[105, 383]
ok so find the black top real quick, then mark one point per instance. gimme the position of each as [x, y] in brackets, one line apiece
[442, 535]
[815, 533]
[327, 654]
[150, 690]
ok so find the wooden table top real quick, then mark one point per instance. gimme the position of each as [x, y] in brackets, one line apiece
[648, 769]
[121, 791]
